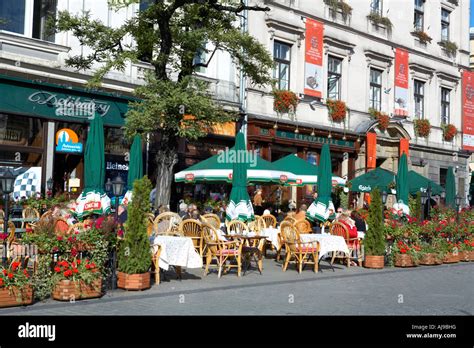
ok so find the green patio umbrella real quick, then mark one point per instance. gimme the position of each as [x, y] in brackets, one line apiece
[402, 184]
[381, 178]
[239, 207]
[450, 189]
[305, 172]
[417, 183]
[319, 209]
[135, 168]
[93, 199]
[471, 190]
[218, 168]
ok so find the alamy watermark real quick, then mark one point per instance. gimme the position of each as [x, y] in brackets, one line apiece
[237, 156]
[37, 331]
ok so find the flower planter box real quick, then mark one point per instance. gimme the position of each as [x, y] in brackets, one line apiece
[430, 259]
[133, 281]
[404, 260]
[451, 258]
[67, 290]
[464, 256]
[471, 255]
[16, 297]
[374, 261]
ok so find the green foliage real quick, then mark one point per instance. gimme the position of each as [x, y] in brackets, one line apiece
[450, 47]
[374, 240]
[343, 199]
[42, 279]
[414, 204]
[378, 19]
[134, 254]
[339, 5]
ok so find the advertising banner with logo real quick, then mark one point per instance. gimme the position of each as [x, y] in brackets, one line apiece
[468, 110]
[371, 150]
[401, 82]
[313, 76]
[67, 141]
[404, 146]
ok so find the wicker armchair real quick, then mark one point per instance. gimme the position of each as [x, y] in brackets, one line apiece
[301, 253]
[220, 250]
[29, 213]
[2, 215]
[192, 228]
[166, 224]
[150, 220]
[290, 219]
[213, 219]
[270, 220]
[61, 227]
[353, 244]
[237, 227]
[303, 226]
[256, 225]
[11, 230]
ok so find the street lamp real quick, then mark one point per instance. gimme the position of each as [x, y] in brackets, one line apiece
[424, 199]
[108, 185]
[7, 181]
[117, 186]
[458, 203]
[49, 187]
[384, 200]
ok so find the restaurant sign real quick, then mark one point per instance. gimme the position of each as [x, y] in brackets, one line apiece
[312, 139]
[68, 141]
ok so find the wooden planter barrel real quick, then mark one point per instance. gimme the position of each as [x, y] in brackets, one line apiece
[451, 258]
[67, 290]
[139, 281]
[374, 261]
[430, 259]
[404, 260]
[16, 296]
[464, 256]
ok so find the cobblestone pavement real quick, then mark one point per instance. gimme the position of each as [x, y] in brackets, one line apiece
[424, 290]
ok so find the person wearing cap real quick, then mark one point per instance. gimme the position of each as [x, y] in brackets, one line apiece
[183, 209]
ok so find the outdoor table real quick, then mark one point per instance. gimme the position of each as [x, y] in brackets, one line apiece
[177, 251]
[327, 243]
[271, 234]
[249, 251]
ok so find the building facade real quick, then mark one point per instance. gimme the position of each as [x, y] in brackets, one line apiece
[357, 54]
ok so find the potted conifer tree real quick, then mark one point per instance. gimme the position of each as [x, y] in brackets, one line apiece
[134, 256]
[374, 240]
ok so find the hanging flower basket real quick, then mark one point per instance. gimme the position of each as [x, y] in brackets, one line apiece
[337, 110]
[284, 101]
[381, 117]
[422, 128]
[449, 132]
[422, 36]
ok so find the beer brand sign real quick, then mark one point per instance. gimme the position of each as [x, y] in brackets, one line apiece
[401, 82]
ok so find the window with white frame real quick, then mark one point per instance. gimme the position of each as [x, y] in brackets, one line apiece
[281, 57]
[419, 15]
[419, 98]
[445, 24]
[375, 89]
[334, 78]
[12, 15]
[445, 105]
[43, 11]
[376, 6]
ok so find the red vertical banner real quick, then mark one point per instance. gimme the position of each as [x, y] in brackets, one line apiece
[313, 84]
[371, 150]
[401, 82]
[468, 110]
[404, 146]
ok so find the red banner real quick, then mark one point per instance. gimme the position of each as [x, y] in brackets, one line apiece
[404, 146]
[468, 110]
[401, 82]
[313, 85]
[371, 150]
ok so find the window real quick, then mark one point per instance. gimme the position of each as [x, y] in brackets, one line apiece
[281, 56]
[419, 97]
[200, 58]
[443, 173]
[375, 97]
[445, 105]
[44, 10]
[12, 15]
[334, 78]
[444, 25]
[376, 7]
[419, 15]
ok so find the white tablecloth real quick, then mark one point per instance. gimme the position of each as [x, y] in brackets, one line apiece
[327, 243]
[272, 235]
[177, 251]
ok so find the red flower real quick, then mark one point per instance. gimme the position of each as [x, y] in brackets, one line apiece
[73, 252]
[1, 281]
[75, 270]
[78, 261]
[15, 265]
[403, 250]
[68, 273]
[57, 269]
[88, 266]
[59, 238]
[5, 272]
[25, 272]
[10, 275]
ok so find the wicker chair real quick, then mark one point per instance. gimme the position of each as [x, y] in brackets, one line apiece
[302, 253]
[213, 219]
[11, 228]
[220, 250]
[290, 219]
[61, 227]
[166, 224]
[353, 244]
[29, 213]
[237, 227]
[2, 214]
[192, 228]
[150, 219]
[270, 220]
[303, 226]
[256, 225]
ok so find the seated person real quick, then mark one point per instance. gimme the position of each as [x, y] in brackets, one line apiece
[359, 222]
[301, 215]
[349, 223]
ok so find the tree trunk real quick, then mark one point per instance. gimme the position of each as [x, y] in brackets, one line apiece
[165, 161]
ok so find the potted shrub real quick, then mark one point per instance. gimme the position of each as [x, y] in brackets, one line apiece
[379, 20]
[422, 36]
[449, 131]
[422, 128]
[77, 279]
[430, 255]
[134, 254]
[339, 6]
[450, 47]
[284, 101]
[337, 110]
[382, 118]
[405, 255]
[374, 241]
[15, 286]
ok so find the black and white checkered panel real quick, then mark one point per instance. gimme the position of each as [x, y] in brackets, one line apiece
[26, 185]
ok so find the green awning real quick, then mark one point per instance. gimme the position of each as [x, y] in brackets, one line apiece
[377, 177]
[417, 183]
